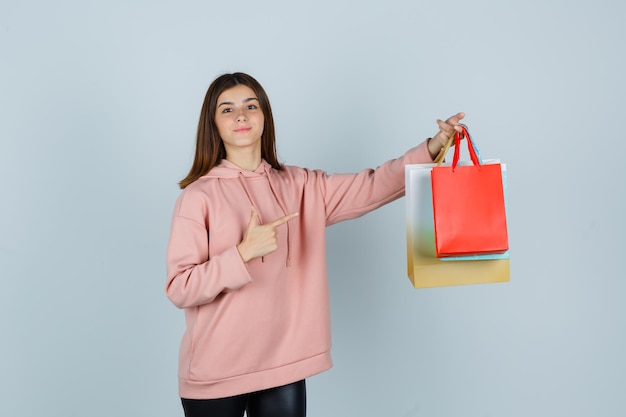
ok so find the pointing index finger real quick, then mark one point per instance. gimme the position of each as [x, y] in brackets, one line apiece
[283, 219]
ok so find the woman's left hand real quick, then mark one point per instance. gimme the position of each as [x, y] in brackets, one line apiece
[446, 129]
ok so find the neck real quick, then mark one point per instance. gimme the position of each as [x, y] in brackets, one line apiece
[245, 160]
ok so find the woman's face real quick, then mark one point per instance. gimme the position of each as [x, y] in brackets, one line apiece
[239, 119]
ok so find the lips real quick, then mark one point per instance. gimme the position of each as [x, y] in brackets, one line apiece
[243, 129]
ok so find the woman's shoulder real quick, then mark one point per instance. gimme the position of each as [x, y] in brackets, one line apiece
[294, 170]
[194, 197]
[306, 177]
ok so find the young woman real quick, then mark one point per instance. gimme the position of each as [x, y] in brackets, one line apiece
[246, 256]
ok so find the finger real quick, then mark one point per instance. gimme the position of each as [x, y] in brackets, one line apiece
[283, 219]
[454, 120]
[445, 127]
[254, 219]
[452, 124]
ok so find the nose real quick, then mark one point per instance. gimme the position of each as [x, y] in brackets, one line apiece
[241, 116]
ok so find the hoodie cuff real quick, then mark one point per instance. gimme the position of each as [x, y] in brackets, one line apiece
[241, 275]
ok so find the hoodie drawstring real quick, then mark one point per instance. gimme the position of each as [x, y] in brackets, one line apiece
[242, 180]
[281, 204]
[283, 207]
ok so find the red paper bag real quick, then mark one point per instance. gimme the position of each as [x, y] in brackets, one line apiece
[468, 206]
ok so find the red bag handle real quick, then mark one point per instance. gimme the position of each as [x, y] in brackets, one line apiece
[458, 136]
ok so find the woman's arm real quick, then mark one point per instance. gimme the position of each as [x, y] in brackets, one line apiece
[193, 276]
[349, 196]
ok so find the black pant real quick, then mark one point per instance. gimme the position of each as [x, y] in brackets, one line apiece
[286, 401]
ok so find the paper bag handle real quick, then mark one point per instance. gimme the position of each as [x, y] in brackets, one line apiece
[456, 138]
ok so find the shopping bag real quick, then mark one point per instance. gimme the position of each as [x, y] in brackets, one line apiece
[468, 206]
[424, 269]
[503, 255]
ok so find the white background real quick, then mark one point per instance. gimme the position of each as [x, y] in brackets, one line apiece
[99, 104]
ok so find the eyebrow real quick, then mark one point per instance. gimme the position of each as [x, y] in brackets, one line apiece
[230, 103]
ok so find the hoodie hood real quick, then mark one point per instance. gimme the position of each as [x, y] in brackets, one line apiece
[227, 169]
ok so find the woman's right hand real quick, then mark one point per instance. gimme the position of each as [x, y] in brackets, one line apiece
[260, 239]
[447, 128]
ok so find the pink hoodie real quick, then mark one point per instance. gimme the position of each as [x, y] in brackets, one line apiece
[265, 323]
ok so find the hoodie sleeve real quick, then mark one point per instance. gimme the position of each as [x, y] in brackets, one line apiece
[192, 278]
[347, 196]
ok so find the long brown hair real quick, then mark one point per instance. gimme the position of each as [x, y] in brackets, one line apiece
[209, 146]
